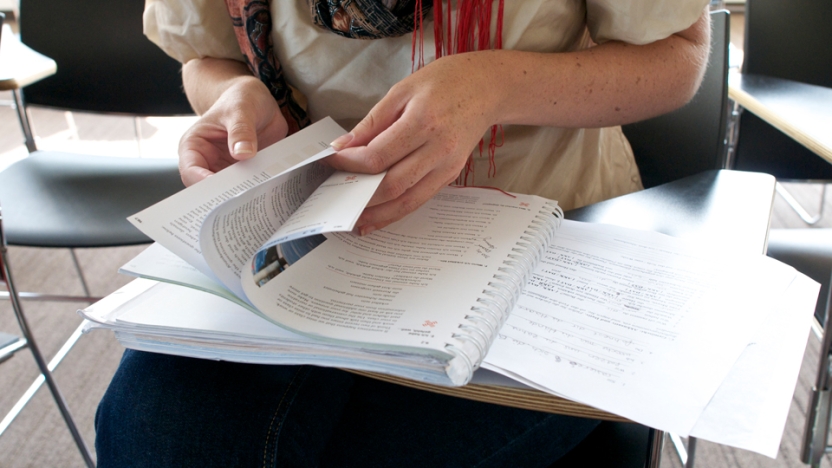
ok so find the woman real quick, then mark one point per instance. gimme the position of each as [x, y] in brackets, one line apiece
[544, 111]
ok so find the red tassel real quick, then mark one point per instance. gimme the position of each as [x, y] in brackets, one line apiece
[473, 32]
[418, 21]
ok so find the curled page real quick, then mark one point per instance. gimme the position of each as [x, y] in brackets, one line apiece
[439, 282]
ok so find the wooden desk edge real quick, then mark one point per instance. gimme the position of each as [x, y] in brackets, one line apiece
[13, 83]
[748, 101]
[522, 398]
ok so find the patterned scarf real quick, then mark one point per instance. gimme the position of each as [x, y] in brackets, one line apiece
[365, 19]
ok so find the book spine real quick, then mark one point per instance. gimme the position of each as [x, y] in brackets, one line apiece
[486, 318]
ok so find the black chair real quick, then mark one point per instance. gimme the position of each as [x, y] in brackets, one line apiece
[105, 64]
[67, 200]
[681, 143]
[810, 252]
[787, 53]
[101, 53]
[692, 139]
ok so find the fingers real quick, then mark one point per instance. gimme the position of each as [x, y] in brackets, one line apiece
[407, 172]
[379, 216]
[250, 116]
[244, 119]
[197, 156]
[409, 184]
[242, 134]
[381, 117]
[386, 135]
[192, 174]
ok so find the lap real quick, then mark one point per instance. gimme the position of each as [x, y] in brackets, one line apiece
[171, 411]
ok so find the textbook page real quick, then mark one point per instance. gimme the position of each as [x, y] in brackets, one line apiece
[170, 319]
[410, 285]
[175, 221]
[309, 200]
[160, 264]
[636, 323]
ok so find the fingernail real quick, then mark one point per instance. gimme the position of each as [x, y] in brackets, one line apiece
[243, 147]
[366, 230]
[341, 141]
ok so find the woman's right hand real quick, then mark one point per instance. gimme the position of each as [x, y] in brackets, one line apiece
[243, 119]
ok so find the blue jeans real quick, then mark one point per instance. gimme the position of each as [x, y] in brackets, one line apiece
[162, 410]
[172, 411]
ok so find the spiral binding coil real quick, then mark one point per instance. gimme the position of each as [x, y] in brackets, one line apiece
[491, 311]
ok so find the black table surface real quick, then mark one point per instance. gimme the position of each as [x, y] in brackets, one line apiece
[800, 110]
[728, 208]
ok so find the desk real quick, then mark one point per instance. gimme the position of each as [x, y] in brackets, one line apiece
[801, 111]
[19, 65]
[731, 208]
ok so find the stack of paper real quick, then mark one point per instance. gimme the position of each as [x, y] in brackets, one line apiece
[715, 355]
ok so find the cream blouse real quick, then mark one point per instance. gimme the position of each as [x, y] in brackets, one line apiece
[343, 78]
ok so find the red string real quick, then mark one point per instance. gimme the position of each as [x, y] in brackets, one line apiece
[473, 32]
[418, 20]
[491, 188]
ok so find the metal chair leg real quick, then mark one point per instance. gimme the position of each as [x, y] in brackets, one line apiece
[798, 208]
[23, 117]
[691, 452]
[816, 432]
[685, 453]
[86, 298]
[654, 448]
[81, 275]
[39, 360]
[817, 428]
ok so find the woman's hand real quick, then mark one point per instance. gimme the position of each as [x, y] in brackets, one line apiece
[425, 128]
[422, 133]
[243, 118]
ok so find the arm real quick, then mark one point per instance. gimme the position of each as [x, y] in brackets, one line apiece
[239, 115]
[424, 129]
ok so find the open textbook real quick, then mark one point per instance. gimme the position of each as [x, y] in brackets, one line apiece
[432, 289]
[636, 323]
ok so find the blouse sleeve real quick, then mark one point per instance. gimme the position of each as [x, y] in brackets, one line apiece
[189, 29]
[640, 21]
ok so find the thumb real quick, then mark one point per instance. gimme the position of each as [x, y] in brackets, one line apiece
[242, 139]
[381, 117]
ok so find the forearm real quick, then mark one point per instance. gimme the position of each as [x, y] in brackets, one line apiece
[207, 78]
[610, 84]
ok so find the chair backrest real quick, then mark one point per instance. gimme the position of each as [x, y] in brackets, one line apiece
[790, 40]
[691, 139]
[105, 63]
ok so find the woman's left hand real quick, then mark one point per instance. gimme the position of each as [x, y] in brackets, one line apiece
[422, 133]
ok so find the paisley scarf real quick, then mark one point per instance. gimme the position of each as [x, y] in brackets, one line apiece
[365, 19]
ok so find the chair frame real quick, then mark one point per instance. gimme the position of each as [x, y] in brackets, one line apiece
[28, 341]
[816, 432]
[23, 76]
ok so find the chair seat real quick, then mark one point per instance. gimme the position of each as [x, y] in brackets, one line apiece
[810, 252]
[622, 445]
[53, 199]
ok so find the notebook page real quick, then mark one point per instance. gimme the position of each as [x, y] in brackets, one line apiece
[636, 323]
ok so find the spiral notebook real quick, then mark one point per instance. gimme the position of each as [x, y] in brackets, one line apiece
[429, 292]
[432, 289]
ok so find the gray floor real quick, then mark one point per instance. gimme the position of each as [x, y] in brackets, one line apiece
[38, 437]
